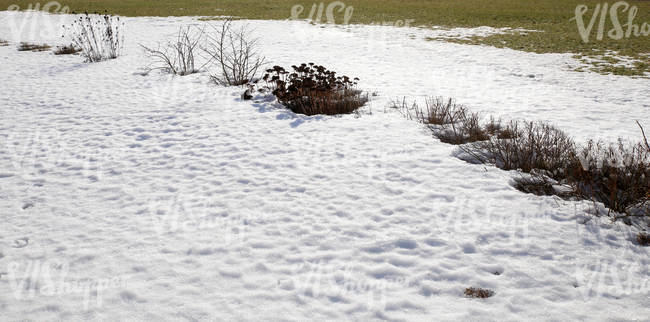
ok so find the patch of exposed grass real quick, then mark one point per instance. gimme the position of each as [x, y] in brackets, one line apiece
[640, 70]
[558, 33]
[3, 42]
[614, 63]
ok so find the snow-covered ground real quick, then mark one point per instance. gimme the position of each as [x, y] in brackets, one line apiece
[127, 197]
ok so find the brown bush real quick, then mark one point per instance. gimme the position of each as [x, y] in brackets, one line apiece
[550, 163]
[312, 90]
[526, 146]
[616, 174]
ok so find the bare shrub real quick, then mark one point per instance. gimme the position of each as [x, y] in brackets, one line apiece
[526, 146]
[547, 159]
[235, 52]
[98, 36]
[25, 46]
[179, 54]
[451, 122]
[448, 121]
[440, 111]
[615, 174]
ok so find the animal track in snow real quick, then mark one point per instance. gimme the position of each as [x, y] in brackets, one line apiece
[21, 242]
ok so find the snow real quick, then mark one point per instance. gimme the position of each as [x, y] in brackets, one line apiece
[464, 33]
[159, 197]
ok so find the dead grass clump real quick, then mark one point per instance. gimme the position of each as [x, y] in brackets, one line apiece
[25, 46]
[67, 50]
[478, 292]
[643, 239]
[3, 42]
[493, 126]
[440, 111]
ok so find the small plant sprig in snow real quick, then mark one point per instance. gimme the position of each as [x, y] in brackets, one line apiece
[98, 36]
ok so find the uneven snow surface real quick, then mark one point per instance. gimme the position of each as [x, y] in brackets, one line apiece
[126, 197]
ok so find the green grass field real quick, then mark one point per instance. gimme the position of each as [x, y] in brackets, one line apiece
[552, 17]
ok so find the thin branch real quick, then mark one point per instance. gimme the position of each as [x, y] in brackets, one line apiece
[644, 138]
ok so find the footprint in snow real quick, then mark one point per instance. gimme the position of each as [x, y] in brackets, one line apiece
[21, 242]
[27, 205]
